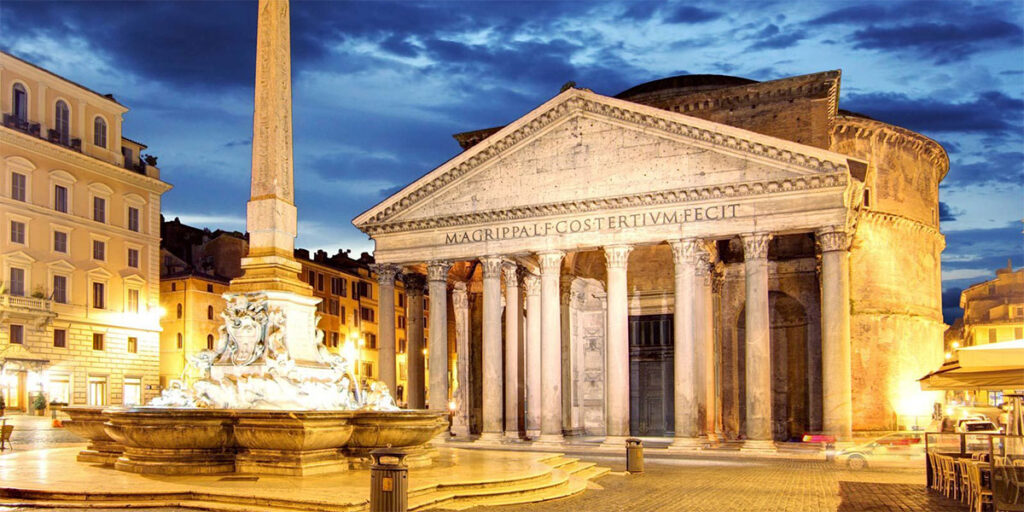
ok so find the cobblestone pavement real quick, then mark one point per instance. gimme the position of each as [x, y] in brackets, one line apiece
[36, 432]
[748, 485]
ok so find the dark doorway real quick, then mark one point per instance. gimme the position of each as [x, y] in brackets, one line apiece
[651, 402]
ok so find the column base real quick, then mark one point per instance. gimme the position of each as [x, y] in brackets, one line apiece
[532, 433]
[489, 438]
[615, 442]
[512, 436]
[758, 446]
[688, 444]
[555, 440]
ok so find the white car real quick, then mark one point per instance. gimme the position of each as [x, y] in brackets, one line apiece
[977, 427]
[898, 449]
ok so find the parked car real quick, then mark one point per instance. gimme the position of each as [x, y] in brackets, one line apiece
[897, 449]
[977, 427]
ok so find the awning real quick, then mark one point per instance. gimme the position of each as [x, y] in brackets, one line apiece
[995, 366]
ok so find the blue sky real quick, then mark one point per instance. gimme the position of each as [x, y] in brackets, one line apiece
[380, 87]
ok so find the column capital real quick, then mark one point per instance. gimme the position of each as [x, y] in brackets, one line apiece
[415, 283]
[684, 251]
[460, 299]
[755, 245]
[617, 256]
[550, 261]
[511, 271]
[531, 284]
[437, 270]
[492, 266]
[386, 272]
[833, 238]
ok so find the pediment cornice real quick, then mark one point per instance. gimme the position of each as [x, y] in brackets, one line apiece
[658, 198]
[777, 152]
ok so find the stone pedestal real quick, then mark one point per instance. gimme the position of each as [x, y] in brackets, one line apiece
[173, 442]
[298, 443]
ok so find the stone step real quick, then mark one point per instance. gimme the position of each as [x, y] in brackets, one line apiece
[592, 472]
[513, 492]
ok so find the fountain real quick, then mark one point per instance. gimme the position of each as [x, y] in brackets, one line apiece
[272, 398]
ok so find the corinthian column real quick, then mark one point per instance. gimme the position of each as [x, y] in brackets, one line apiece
[414, 286]
[512, 311]
[531, 283]
[704, 341]
[551, 347]
[460, 306]
[687, 428]
[617, 349]
[492, 382]
[437, 278]
[759, 354]
[837, 395]
[386, 322]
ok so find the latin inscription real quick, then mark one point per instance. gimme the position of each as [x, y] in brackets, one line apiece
[596, 223]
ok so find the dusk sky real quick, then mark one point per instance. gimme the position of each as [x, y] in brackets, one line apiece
[380, 87]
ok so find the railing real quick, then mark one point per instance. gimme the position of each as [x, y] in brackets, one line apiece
[1005, 463]
[22, 125]
[24, 303]
[138, 167]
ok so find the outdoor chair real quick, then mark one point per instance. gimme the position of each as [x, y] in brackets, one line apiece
[5, 436]
[963, 485]
[979, 495]
[933, 461]
[949, 478]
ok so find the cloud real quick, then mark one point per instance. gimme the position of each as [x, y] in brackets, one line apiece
[689, 14]
[987, 168]
[989, 111]
[946, 213]
[772, 37]
[972, 255]
[941, 42]
[951, 304]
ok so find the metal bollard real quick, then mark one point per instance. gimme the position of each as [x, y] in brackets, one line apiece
[634, 455]
[389, 481]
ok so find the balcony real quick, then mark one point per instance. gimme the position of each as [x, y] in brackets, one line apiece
[21, 125]
[55, 137]
[19, 304]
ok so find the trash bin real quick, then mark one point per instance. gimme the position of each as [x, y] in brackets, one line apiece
[389, 481]
[634, 455]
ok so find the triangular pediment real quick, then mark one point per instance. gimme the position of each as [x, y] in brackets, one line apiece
[581, 146]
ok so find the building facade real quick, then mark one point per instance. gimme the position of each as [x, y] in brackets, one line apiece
[701, 257]
[80, 207]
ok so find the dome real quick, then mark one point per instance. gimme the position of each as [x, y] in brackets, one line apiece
[684, 84]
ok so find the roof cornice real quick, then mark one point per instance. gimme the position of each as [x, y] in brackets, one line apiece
[736, 140]
[872, 128]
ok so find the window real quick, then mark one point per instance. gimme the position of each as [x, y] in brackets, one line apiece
[365, 290]
[133, 258]
[99, 250]
[179, 310]
[18, 334]
[60, 338]
[209, 312]
[60, 198]
[99, 132]
[174, 287]
[367, 369]
[62, 122]
[209, 342]
[133, 219]
[371, 340]
[867, 198]
[60, 289]
[338, 286]
[99, 209]
[342, 315]
[60, 389]
[401, 322]
[993, 335]
[332, 307]
[99, 296]
[209, 288]
[181, 341]
[133, 345]
[19, 186]
[20, 102]
[401, 300]
[1018, 333]
[312, 278]
[991, 289]
[60, 242]
[17, 232]
[97, 341]
[402, 346]
[366, 314]
[17, 282]
[335, 339]
[97, 391]
[133, 301]
[132, 391]
[320, 282]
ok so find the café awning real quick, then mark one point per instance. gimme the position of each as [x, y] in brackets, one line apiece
[995, 366]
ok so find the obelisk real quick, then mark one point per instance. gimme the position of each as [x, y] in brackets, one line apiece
[271, 217]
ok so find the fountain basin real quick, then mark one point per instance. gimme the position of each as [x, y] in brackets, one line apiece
[179, 441]
[88, 423]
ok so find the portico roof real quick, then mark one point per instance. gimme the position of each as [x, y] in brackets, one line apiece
[582, 153]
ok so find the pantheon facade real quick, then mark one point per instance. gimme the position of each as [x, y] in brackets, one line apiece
[701, 257]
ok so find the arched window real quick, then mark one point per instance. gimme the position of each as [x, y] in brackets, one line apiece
[181, 341]
[179, 310]
[209, 312]
[99, 132]
[20, 102]
[62, 122]
[209, 342]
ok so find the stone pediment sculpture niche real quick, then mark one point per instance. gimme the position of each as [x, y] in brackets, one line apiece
[251, 368]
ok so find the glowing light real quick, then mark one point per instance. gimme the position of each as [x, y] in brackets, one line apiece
[956, 344]
[362, 342]
[161, 311]
[949, 410]
[424, 351]
[451, 405]
[949, 355]
[348, 351]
